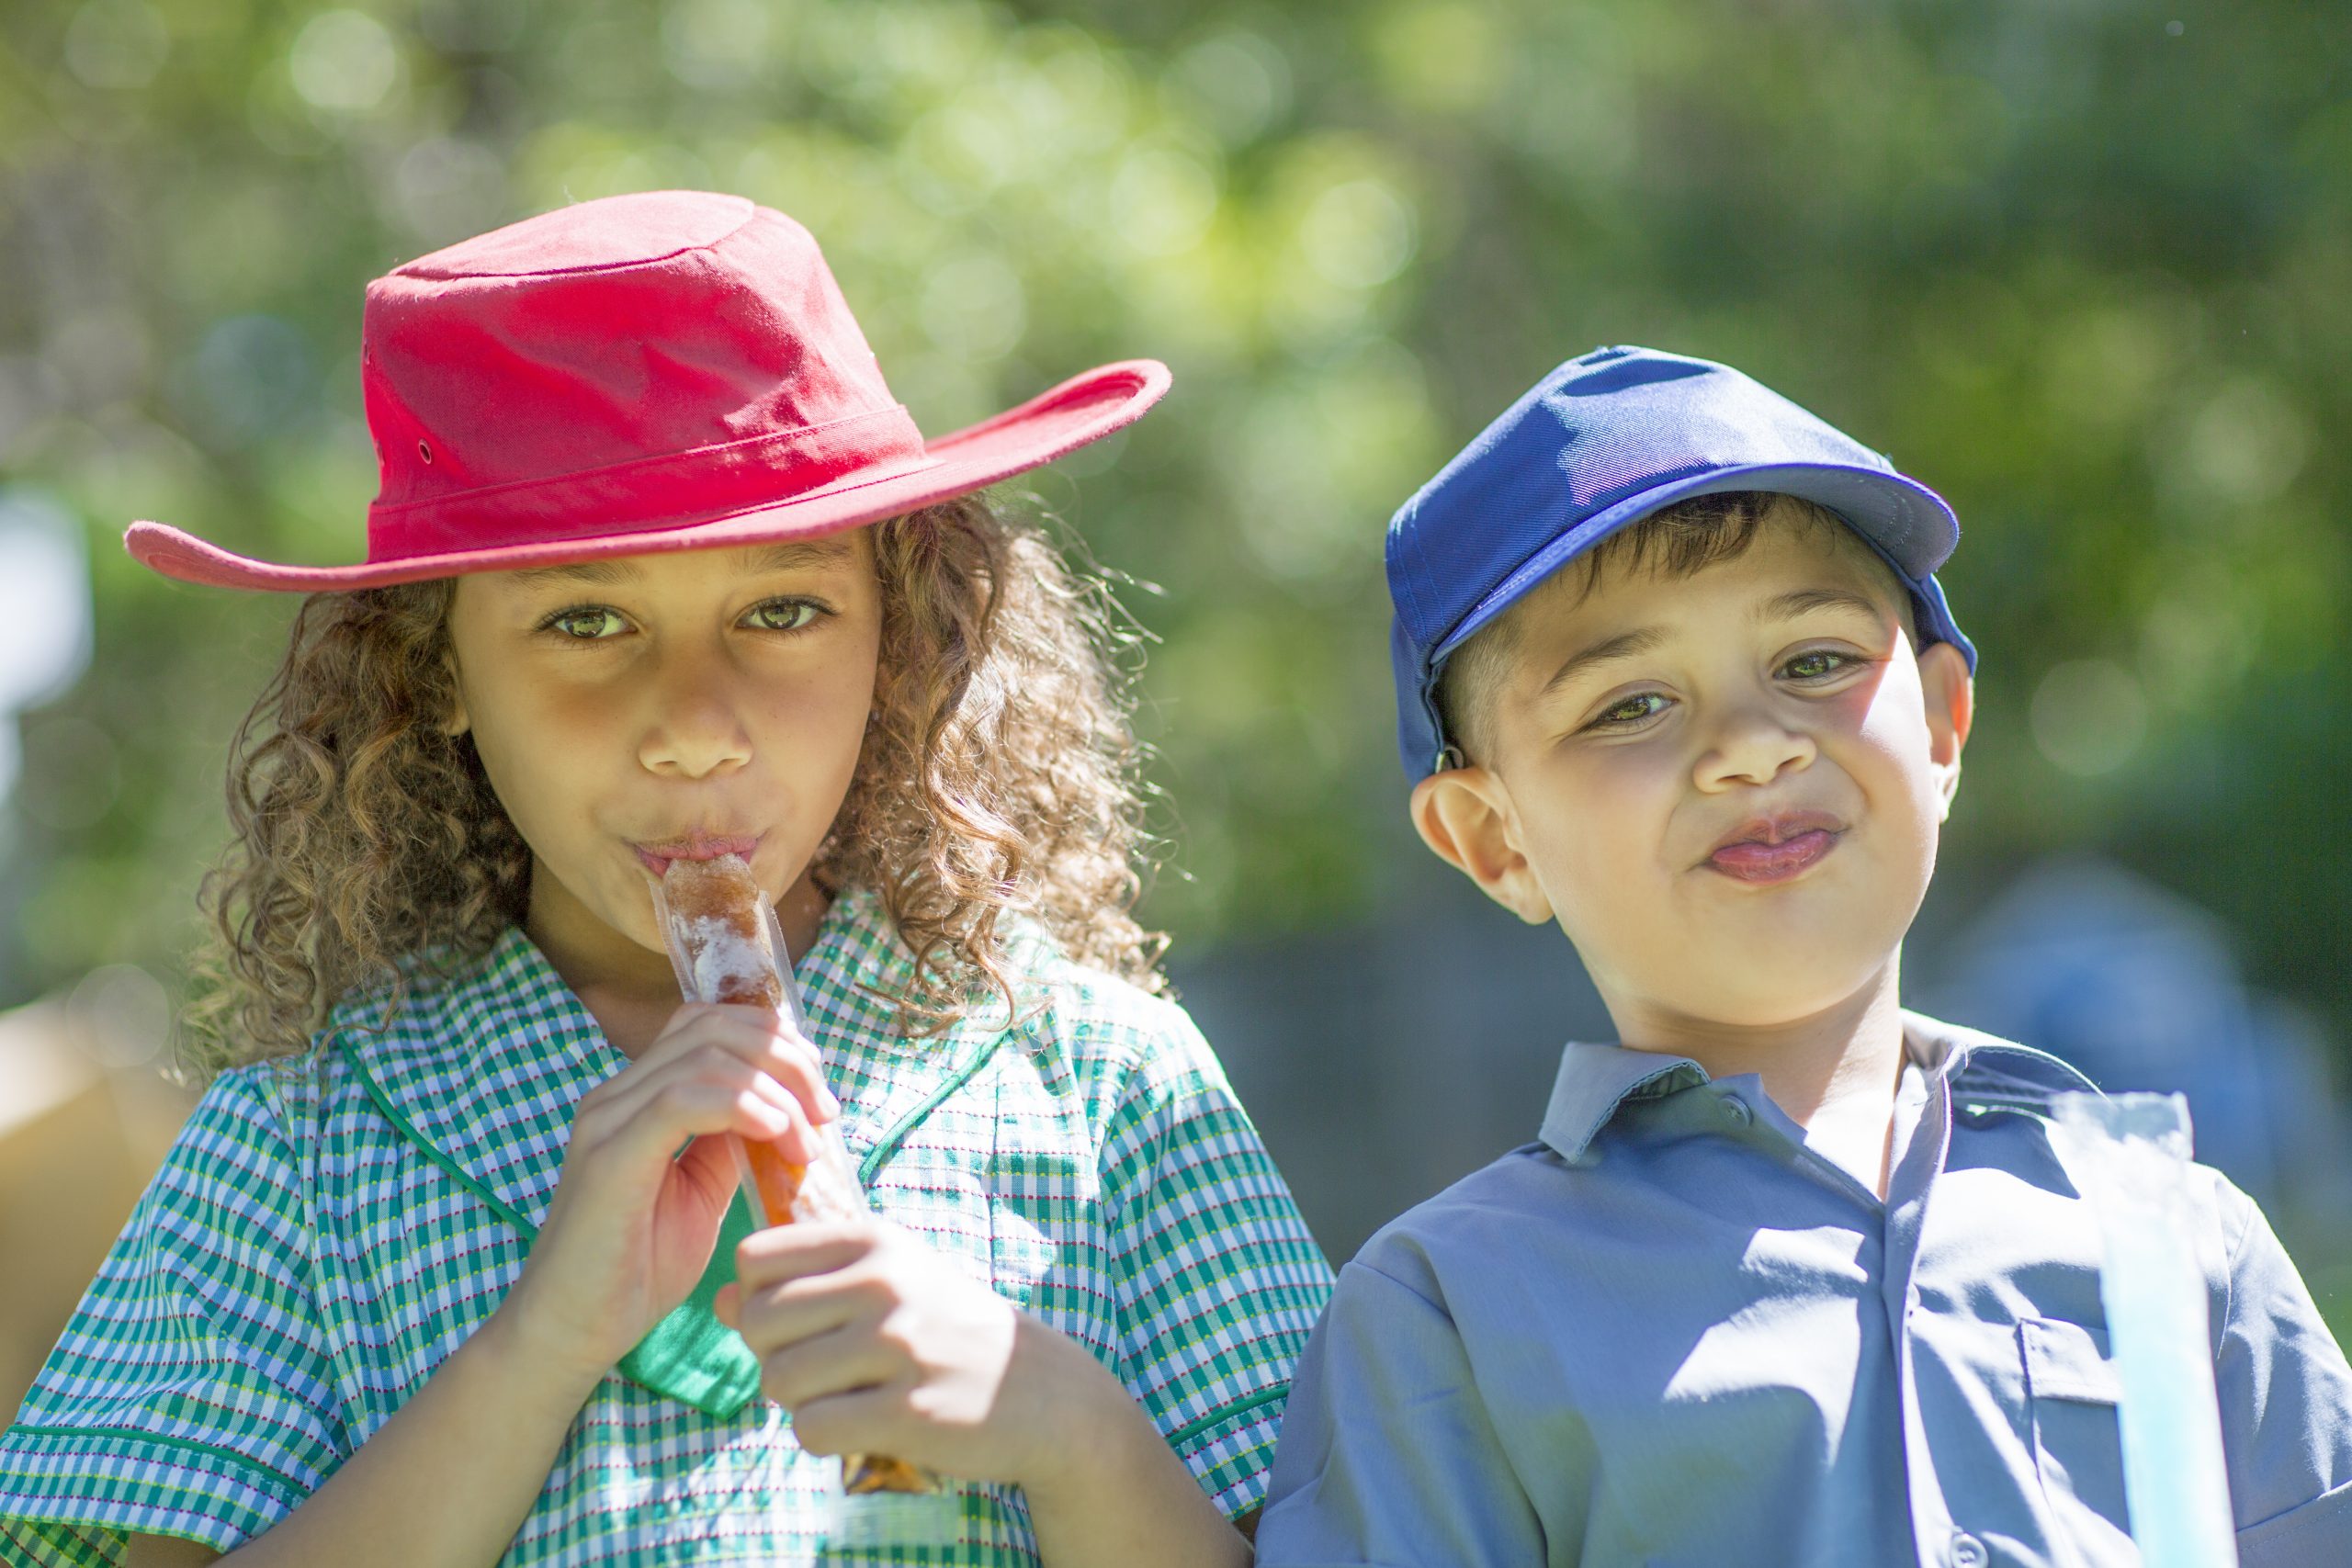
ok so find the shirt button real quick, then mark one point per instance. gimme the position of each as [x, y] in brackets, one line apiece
[1967, 1551]
[1737, 1108]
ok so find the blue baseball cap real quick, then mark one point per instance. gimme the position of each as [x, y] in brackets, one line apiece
[1599, 444]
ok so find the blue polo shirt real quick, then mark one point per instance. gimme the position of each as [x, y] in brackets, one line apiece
[1670, 1333]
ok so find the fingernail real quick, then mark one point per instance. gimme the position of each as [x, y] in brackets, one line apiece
[832, 1107]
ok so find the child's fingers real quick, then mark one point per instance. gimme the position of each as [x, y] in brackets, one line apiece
[708, 1163]
[709, 1063]
[865, 1420]
[757, 1038]
[617, 1104]
[772, 1317]
[645, 1131]
[841, 1362]
[783, 1253]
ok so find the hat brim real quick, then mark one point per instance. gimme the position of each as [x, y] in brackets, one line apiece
[1081, 410]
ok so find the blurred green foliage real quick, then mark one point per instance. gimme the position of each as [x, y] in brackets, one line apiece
[2085, 267]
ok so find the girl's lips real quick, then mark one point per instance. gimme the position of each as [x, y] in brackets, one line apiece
[656, 858]
[1773, 863]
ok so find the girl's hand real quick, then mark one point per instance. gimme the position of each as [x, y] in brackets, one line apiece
[630, 1229]
[878, 1344]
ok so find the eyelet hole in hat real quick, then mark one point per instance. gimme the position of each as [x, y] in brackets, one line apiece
[424, 450]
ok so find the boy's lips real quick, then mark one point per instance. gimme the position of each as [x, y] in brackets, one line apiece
[697, 845]
[1773, 849]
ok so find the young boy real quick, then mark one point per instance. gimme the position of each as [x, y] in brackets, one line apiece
[1794, 1275]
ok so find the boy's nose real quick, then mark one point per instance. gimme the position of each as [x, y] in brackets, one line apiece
[1752, 747]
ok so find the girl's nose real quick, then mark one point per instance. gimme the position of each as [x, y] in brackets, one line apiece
[694, 727]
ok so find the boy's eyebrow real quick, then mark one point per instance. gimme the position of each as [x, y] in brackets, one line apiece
[754, 559]
[1624, 645]
[1788, 606]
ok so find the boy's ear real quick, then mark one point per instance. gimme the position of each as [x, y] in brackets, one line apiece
[1465, 815]
[1950, 694]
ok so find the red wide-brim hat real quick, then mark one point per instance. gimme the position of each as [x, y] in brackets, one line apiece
[672, 370]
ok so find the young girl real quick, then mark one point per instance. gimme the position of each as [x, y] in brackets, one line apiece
[447, 1267]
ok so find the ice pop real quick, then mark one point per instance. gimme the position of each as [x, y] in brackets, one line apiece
[725, 946]
[2129, 1153]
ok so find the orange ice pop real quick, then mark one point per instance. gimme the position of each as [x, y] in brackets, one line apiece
[725, 948]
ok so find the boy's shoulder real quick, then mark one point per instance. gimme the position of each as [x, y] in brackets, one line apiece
[1531, 1209]
[1512, 1212]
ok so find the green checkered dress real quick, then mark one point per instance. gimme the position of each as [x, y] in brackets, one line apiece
[326, 1230]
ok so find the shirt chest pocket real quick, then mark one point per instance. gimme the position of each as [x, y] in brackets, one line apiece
[2071, 1393]
[993, 1176]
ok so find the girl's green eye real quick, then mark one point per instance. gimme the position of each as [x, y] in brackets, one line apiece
[585, 623]
[782, 615]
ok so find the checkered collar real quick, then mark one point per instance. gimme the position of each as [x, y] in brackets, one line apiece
[486, 1069]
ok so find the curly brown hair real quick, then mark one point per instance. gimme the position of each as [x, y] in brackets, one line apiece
[999, 777]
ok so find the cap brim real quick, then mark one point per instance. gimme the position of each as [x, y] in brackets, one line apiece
[1081, 410]
[1903, 520]
[1906, 522]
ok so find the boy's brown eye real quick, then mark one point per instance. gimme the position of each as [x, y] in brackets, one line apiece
[1815, 665]
[1631, 710]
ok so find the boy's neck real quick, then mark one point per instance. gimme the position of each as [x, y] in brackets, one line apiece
[1844, 1060]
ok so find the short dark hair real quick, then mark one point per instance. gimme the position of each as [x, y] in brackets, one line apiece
[1680, 541]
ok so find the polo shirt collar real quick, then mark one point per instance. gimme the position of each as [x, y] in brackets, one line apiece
[1595, 1081]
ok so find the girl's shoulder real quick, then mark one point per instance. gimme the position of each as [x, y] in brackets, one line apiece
[415, 1035]
[1107, 1032]
[1079, 1027]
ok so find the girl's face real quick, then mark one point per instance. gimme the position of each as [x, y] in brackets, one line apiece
[631, 709]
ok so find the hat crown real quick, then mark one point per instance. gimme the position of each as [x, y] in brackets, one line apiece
[607, 336]
[620, 231]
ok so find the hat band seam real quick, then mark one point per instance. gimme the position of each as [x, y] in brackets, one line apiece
[389, 551]
[651, 495]
[392, 508]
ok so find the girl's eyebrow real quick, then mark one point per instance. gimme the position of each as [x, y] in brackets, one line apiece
[756, 558]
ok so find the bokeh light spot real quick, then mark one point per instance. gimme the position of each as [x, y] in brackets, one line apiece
[2090, 717]
[344, 61]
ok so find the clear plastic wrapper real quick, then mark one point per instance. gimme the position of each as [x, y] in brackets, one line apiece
[726, 947]
[2129, 1154]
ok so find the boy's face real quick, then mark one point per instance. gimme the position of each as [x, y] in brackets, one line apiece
[1639, 736]
[626, 706]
